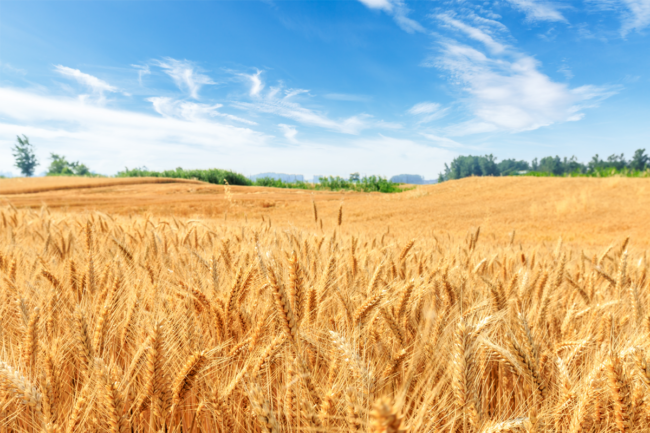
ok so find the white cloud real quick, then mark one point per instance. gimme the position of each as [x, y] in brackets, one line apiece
[108, 139]
[279, 102]
[399, 12]
[538, 10]
[255, 82]
[511, 94]
[185, 75]
[191, 111]
[385, 5]
[97, 86]
[428, 111]
[637, 17]
[289, 132]
[425, 108]
[443, 141]
[566, 71]
[635, 14]
[142, 71]
[473, 32]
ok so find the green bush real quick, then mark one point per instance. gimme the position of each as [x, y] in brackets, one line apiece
[278, 183]
[597, 172]
[212, 175]
[363, 184]
[61, 167]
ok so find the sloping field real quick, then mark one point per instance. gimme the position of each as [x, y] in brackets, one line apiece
[47, 184]
[587, 211]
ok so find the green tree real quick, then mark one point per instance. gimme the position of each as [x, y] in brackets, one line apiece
[354, 177]
[465, 166]
[23, 152]
[60, 166]
[488, 165]
[639, 160]
[508, 167]
[551, 165]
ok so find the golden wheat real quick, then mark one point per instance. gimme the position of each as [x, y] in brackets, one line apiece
[138, 324]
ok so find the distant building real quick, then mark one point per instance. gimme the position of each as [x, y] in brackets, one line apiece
[279, 176]
[413, 179]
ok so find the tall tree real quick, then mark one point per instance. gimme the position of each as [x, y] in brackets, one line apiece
[23, 152]
[61, 166]
[639, 160]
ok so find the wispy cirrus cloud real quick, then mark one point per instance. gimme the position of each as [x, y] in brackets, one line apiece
[284, 107]
[505, 89]
[634, 14]
[538, 10]
[476, 33]
[186, 75]
[428, 111]
[637, 16]
[443, 141]
[398, 10]
[282, 102]
[425, 108]
[97, 86]
[142, 71]
[191, 111]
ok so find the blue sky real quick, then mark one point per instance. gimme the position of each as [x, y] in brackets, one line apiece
[322, 87]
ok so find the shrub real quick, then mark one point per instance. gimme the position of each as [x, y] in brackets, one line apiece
[212, 175]
[331, 183]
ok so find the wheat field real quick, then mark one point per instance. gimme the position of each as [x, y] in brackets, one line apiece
[585, 212]
[113, 323]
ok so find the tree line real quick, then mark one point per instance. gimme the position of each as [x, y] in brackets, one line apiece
[487, 165]
[26, 161]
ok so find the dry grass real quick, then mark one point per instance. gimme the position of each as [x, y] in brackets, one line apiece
[124, 324]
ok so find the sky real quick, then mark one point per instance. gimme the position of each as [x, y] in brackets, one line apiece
[379, 87]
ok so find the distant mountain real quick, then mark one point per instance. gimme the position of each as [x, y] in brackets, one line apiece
[6, 174]
[414, 179]
[279, 176]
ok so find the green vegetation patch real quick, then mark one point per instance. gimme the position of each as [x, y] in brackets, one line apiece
[355, 183]
[550, 166]
[212, 175]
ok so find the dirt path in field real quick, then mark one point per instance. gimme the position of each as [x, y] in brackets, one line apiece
[582, 210]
